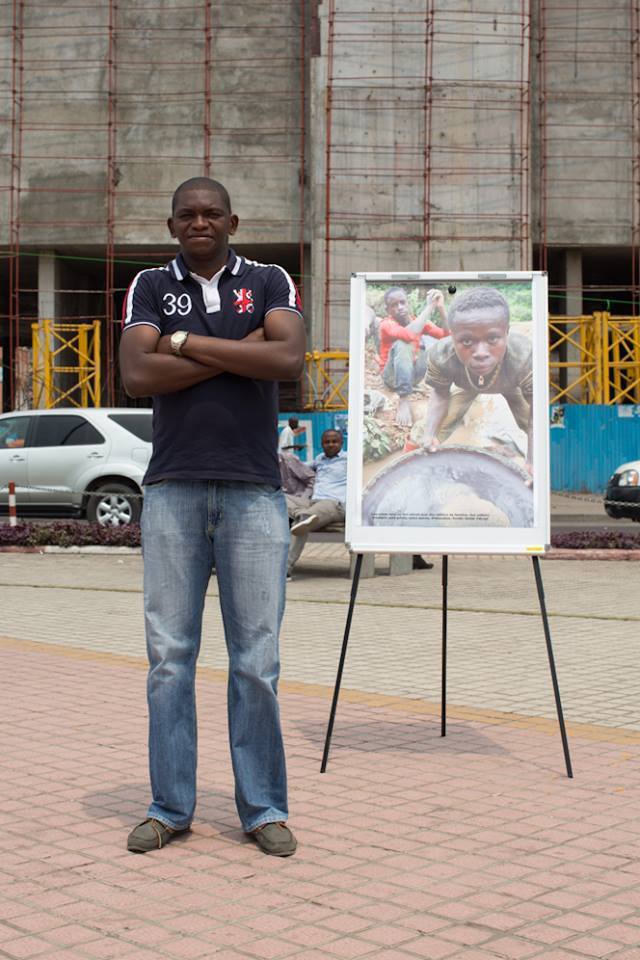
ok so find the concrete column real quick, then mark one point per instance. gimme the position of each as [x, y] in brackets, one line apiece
[573, 282]
[47, 302]
[47, 276]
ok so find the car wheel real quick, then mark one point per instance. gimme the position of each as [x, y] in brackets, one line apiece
[114, 504]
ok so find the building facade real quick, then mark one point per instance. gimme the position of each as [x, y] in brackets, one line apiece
[351, 134]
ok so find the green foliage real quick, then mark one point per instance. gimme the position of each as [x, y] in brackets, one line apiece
[375, 441]
[517, 293]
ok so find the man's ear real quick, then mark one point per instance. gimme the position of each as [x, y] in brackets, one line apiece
[233, 224]
[170, 226]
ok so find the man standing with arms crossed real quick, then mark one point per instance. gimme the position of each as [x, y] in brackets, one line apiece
[208, 336]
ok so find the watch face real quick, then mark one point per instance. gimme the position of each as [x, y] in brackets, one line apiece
[178, 340]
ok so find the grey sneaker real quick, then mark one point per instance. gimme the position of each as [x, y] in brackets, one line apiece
[275, 839]
[152, 835]
[302, 525]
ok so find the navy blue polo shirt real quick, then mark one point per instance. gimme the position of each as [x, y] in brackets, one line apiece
[225, 428]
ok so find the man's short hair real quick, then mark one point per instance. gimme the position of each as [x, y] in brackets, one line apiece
[195, 183]
[392, 292]
[293, 422]
[331, 430]
[477, 298]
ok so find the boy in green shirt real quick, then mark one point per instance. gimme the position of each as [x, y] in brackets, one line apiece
[482, 355]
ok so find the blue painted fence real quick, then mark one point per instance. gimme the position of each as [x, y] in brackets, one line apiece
[590, 442]
[587, 442]
[314, 425]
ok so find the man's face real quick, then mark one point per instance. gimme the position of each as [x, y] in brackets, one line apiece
[480, 339]
[331, 444]
[202, 224]
[398, 307]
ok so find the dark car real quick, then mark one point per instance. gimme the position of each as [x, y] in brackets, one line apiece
[622, 497]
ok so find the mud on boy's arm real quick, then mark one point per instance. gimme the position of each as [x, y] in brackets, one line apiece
[437, 409]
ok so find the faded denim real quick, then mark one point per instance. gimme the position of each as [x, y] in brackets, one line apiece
[242, 528]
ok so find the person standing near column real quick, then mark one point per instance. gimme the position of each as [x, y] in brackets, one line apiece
[208, 336]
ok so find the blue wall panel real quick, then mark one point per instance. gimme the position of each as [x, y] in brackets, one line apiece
[591, 443]
[318, 422]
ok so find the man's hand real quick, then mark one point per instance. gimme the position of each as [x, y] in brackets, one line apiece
[256, 336]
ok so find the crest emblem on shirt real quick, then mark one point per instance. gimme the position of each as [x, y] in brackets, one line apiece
[244, 300]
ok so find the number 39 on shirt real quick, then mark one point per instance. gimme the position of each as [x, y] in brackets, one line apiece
[180, 305]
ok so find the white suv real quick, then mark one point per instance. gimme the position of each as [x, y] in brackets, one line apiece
[85, 462]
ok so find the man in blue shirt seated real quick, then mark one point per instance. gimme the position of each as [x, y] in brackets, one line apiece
[328, 497]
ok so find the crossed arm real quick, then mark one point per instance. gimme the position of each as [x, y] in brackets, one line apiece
[273, 352]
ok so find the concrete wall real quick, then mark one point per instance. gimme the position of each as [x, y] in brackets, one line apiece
[584, 145]
[159, 117]
[451, 97]
[426, 161]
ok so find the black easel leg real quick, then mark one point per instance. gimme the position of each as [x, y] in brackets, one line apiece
[443, 701]
[343, 654]
[552, 665]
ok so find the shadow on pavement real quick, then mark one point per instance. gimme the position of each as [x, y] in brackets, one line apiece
[382, 736]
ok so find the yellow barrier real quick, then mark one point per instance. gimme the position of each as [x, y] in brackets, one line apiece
[66, 364]
[621, 359]
[575, 359]
[326, 380]
[594, 359]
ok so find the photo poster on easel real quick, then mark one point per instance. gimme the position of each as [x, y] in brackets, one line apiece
[448, 413]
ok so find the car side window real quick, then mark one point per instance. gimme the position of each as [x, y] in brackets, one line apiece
[65, 431]
[13, 432]
[139, 424]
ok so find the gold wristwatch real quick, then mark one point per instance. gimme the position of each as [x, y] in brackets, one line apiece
[178, 340]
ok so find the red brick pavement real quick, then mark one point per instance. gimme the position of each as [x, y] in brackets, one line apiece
[474, 847]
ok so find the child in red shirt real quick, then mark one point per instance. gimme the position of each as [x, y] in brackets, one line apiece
[404, 341]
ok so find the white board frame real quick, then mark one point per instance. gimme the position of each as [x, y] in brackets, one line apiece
[449, 540]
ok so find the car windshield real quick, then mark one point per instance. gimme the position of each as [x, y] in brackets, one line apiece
[139, 424]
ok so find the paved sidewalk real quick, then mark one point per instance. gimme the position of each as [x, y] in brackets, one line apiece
[497, 656]
[475, 846]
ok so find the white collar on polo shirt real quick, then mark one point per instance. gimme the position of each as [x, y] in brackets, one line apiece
[210, 293]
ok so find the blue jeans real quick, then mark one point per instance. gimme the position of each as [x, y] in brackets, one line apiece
[242, 528]
[405, 368]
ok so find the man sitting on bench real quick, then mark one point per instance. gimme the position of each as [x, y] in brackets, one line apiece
[326, 504]
[328, 496]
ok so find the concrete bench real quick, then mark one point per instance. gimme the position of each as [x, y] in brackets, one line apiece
[399, 563]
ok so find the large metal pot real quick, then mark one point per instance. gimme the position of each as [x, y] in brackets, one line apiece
[417, 489]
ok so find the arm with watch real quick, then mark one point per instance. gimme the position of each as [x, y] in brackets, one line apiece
[149, 368]
[275, 352]
[153, 364]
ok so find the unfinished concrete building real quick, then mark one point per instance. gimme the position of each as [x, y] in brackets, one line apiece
[352, 134]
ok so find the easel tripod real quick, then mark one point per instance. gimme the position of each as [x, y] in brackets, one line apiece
[443, 713]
